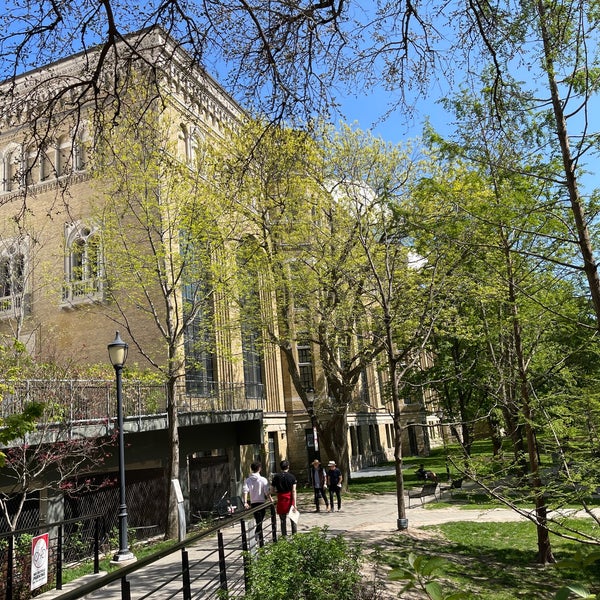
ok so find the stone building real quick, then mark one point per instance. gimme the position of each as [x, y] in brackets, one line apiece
[54, 295]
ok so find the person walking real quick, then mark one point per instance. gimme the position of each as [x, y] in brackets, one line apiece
[318, 479]
[334, 481]
[256, 489]
[284, 484]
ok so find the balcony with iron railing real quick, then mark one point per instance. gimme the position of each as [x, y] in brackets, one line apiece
[85, 401]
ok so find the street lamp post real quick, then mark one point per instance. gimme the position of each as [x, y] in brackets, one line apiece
[117, 352]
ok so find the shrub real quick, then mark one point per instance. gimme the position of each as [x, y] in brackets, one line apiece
[306, 566]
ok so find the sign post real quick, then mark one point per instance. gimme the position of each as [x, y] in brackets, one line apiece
[39, 561]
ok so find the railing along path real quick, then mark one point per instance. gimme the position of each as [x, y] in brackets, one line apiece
[207, 565]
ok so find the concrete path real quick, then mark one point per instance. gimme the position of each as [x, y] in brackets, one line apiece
[375, 517]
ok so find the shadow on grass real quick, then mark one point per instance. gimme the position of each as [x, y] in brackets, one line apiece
[492, 560]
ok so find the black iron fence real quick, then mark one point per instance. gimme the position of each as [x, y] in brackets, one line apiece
[71, 400]
[68, 541]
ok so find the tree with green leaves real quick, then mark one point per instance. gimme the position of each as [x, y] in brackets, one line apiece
[285, 60]
[48, 456]
[500, 345]
[161, 232]
[300, 241]
[323, 236]
[40, 449]
[16, 364]
[400, 287]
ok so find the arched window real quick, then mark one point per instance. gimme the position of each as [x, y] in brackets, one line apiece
[11, 167]
[187, 144]
[80, 151]
[46, 165]
[12, 277]
[83, 264]
[31, 166]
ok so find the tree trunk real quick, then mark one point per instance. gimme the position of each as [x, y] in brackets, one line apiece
[392, 367]
[495, 434]
[333, 436]
[172, 530]
[544, 555]
[577, 204]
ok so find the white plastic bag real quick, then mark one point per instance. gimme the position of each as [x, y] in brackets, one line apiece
[294, 514]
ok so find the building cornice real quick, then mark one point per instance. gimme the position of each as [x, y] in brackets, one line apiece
[178, 76]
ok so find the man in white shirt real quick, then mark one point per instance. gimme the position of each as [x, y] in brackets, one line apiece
[257, 487]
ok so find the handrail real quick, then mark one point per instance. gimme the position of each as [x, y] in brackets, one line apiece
[125, 570]
[59, 538]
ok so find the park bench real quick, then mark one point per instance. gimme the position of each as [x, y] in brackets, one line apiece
[428, 489]
[455, 484]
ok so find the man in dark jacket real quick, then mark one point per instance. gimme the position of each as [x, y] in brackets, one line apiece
[318, 480]
[334, 481]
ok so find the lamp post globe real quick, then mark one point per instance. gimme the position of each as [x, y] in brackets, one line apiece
[117, 352]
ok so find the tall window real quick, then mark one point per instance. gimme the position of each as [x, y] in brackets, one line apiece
[63, 156]
[12, 278]
[83, 263]
[273, 453]
[253, 370]
[46, 166]
[249, 297]
[389, 435]
[200, 360]
[374, 438]
[305, 366]
[80, 154]
[31, 168]
[353, 441]
[184, 143]
[364, 387]
[188, 143]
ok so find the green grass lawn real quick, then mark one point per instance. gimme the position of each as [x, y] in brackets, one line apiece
[75, 571]
[496, 561]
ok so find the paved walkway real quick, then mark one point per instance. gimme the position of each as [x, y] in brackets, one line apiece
[371, 519]
[375, 517]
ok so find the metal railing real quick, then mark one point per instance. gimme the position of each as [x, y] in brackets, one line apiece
[95, 400]
[210, 564]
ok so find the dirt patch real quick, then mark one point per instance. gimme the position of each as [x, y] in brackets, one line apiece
[376, 573]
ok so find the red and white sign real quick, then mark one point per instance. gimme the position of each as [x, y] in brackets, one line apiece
[39, 561]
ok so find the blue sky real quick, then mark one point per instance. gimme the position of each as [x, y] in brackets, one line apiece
[374, 110]
[369, 111]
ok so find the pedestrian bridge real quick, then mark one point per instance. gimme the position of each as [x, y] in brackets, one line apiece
[89, 407]
[214, 422]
